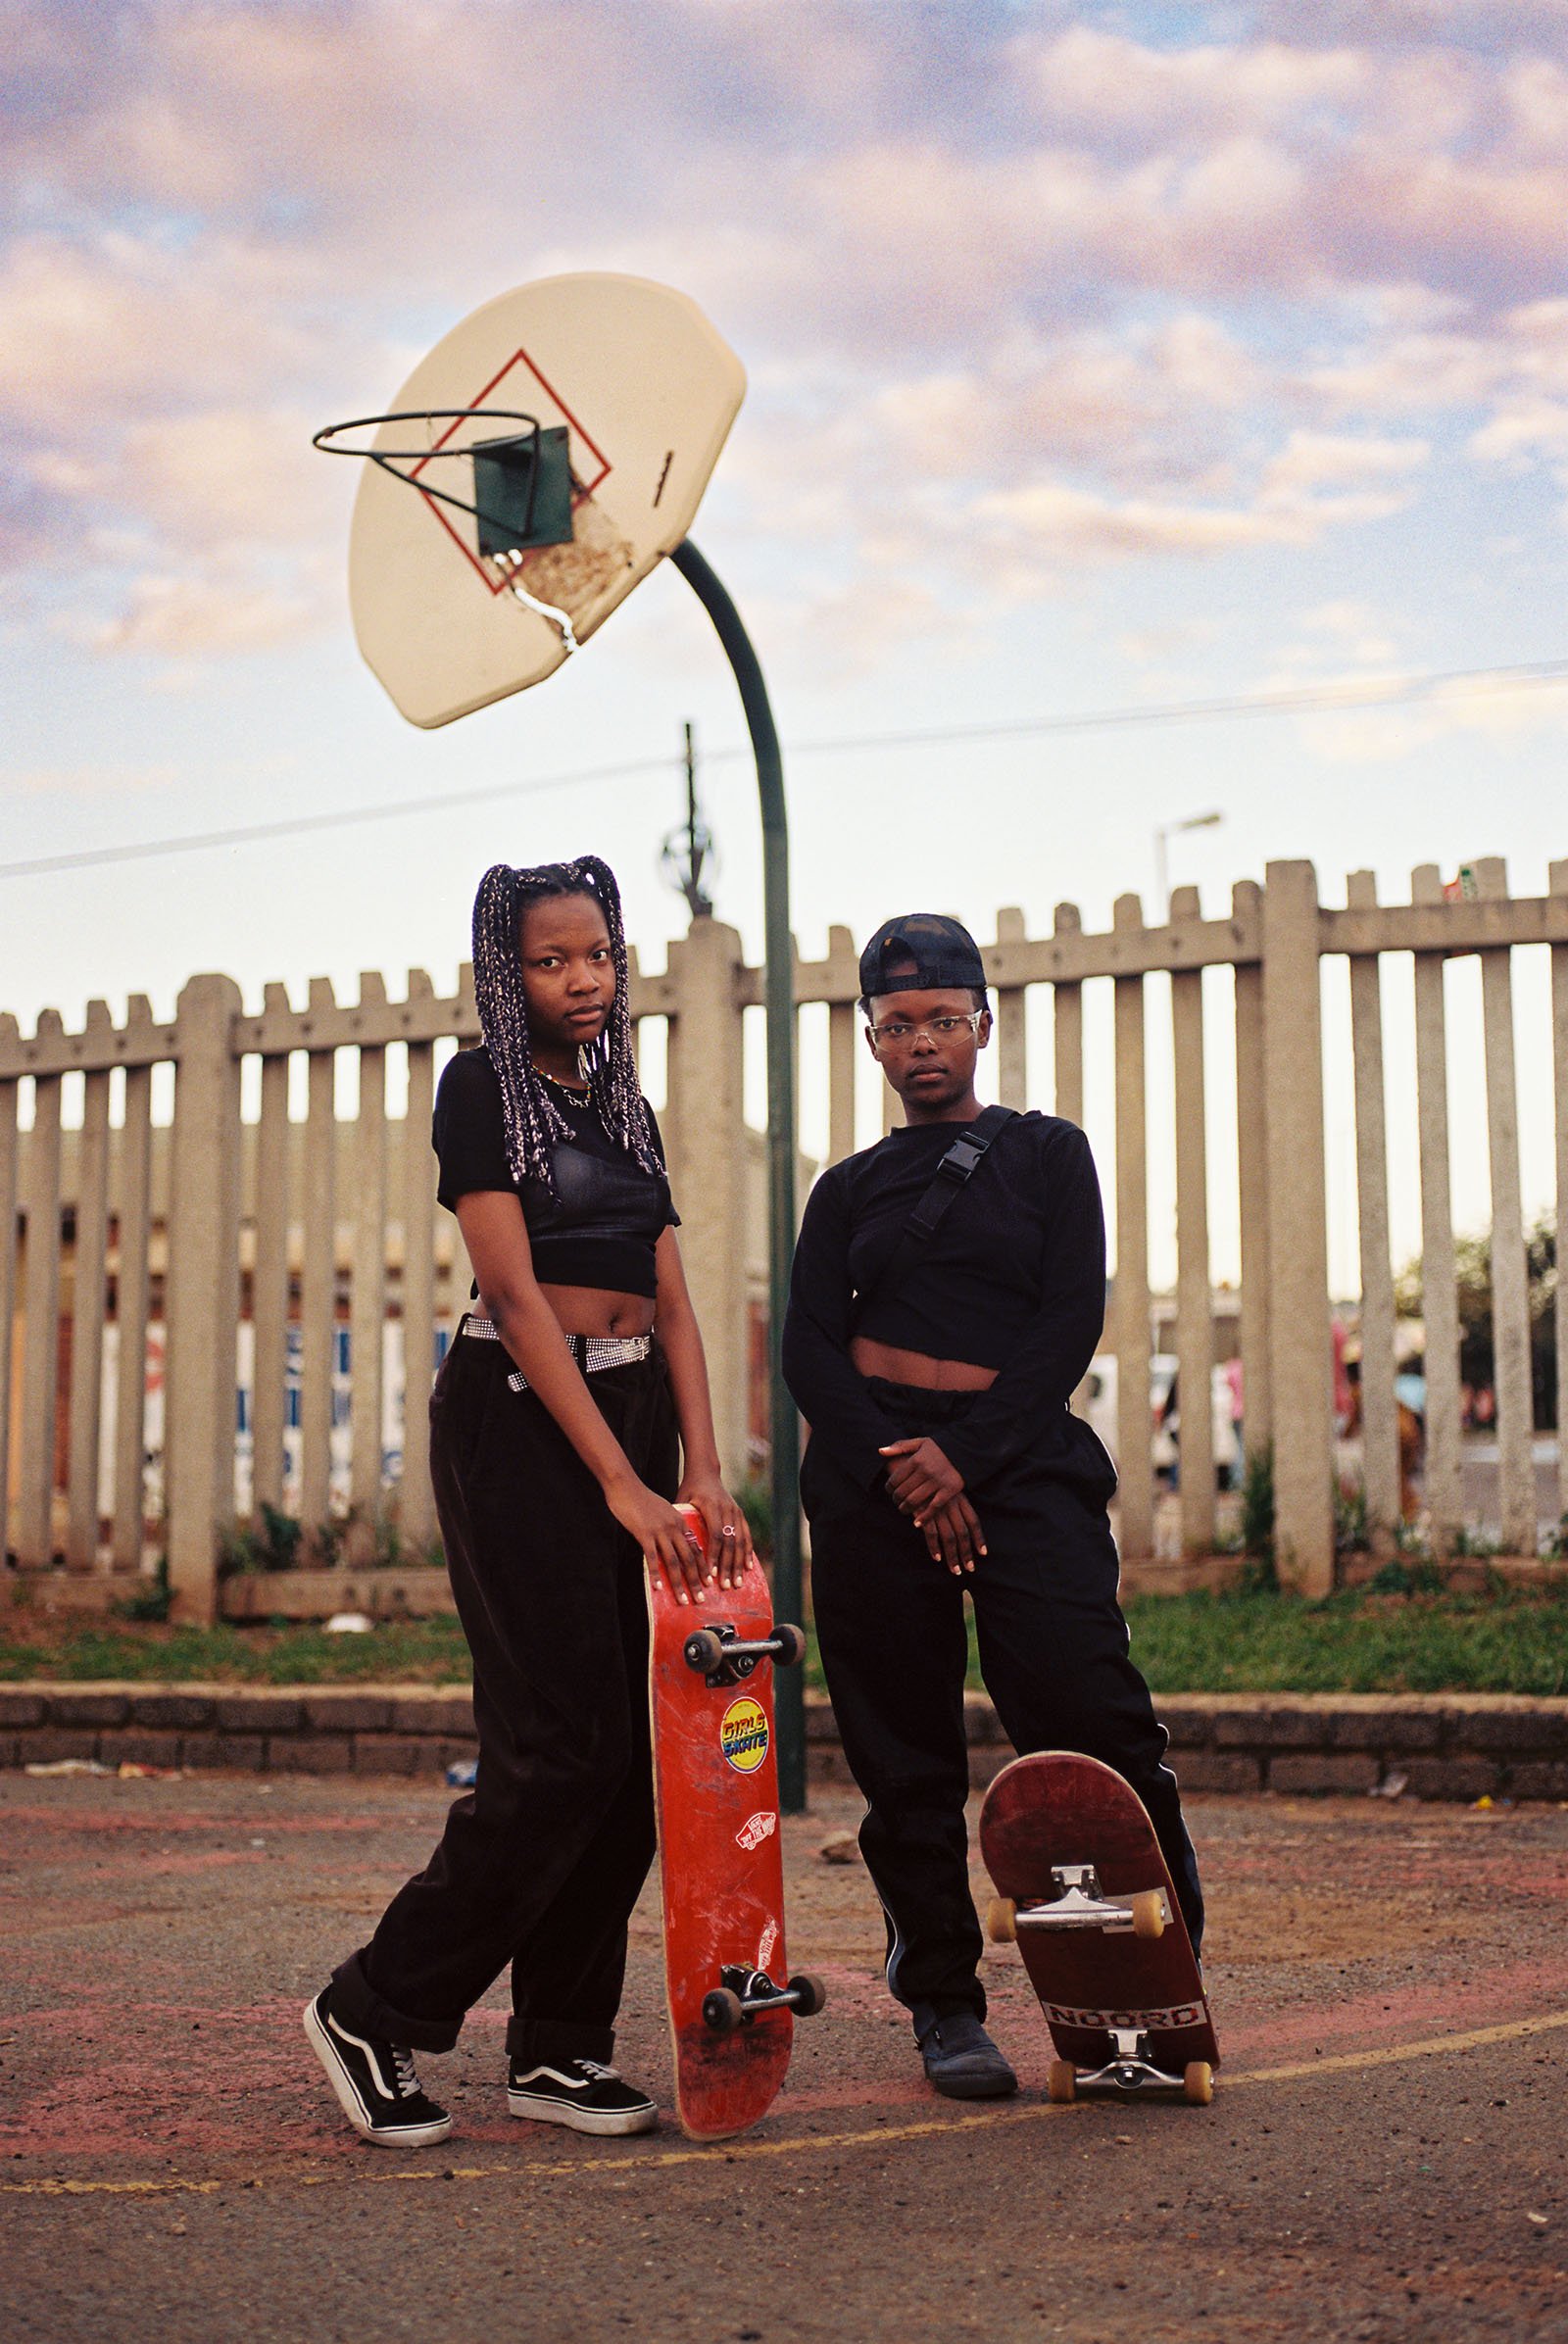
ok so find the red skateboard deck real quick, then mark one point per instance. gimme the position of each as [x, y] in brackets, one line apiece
[1082, 1886]
[732, 2007]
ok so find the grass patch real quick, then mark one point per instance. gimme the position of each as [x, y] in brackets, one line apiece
[402, 1651]
[1411, 1639]
[1513, 1641]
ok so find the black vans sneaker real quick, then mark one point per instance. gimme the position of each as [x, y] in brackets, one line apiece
[581, 2093]
[374, 2082]
[959, 2057]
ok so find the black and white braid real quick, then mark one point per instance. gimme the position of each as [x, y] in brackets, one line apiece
[531, 1117]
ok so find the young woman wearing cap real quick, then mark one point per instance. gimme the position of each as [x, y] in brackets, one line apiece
[935, 1378]
[558, 1425]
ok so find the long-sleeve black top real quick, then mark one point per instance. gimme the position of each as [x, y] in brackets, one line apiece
[1014, 1278]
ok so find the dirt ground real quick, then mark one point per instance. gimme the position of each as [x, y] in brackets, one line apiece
[1384, 2158]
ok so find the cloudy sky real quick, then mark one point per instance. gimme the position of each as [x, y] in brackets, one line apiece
[1103, 358]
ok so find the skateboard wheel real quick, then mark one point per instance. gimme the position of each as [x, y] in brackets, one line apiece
[1149, 1914]
[790, 1643]
[1197, 2083]
[811, 1994]
[721, 2011]
[704, 1652]
[1001, 1921]
[1061, 2082]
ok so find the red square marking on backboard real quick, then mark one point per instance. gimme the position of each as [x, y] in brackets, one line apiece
[518, 357]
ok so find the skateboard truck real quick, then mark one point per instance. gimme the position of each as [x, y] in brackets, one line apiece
[1130, 2068]
[721, 1657]
[749, 1994]
[1081, 1903]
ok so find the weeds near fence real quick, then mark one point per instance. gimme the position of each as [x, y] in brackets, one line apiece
[151, 1601]
[272, 1543]
[277, 1542]
[1352, 1530]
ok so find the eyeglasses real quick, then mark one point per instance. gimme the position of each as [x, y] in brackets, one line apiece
[898, 1034]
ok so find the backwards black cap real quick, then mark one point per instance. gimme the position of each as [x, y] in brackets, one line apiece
[920, 952]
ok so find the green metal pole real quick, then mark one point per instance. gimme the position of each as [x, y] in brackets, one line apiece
[779, 993]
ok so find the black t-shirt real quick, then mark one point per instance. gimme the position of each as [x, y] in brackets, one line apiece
[1014, 1278]
[603, 1224]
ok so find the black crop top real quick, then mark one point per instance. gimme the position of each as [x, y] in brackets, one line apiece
[1015, 1279]
[602, 1226]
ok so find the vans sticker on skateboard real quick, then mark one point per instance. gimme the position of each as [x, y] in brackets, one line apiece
[743, 1735]
[756, 1827]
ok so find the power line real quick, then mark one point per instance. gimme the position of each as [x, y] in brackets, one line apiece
[387, 812]
[1306, 700]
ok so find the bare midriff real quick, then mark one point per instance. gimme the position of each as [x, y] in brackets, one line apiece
[592, 1311]
[894, 1366]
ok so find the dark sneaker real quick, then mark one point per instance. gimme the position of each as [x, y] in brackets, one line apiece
[374, 2082]
[581, 2093]
[961, 2058]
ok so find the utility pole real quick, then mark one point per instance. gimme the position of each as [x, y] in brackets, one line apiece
[685, 852]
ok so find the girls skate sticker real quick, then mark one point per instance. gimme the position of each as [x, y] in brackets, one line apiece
[743, 1735]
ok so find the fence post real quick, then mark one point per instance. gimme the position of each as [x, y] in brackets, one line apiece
[88, 1297]
[1252, 1149]
[1443, 1476]
[368, 1285]
[40, 1357]
[9, 1154]
[706, 1142]
[842, 1047]
[1195, 1296]
[1557, 873]
[203, 1291]
[1012, 1011]
[1510, 1291]
[1298, 1253]
[133, 1285]
[1380, 1427]
[1134, 1342]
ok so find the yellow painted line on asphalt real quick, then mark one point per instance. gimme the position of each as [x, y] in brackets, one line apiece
[1509, 2031]
[738, 2152]
[53, 2186]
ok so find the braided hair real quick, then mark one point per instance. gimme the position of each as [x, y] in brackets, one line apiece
[532, 1119]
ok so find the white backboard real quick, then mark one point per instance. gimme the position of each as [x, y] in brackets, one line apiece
[647, 391]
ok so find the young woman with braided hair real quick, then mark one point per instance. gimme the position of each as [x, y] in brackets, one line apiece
[559, 1425]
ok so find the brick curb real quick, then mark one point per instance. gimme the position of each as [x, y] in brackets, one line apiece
[1446, 1745]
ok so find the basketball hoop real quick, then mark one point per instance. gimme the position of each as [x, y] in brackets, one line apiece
[524, 491]
[524, 478]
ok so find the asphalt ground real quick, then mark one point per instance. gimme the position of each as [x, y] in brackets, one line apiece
[1384, 2158]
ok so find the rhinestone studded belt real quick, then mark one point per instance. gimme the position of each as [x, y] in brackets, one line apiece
[592, 1352]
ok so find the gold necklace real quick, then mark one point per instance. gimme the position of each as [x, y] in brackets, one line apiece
[578, 1093]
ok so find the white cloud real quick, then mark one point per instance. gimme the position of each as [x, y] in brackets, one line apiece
[1051, 290]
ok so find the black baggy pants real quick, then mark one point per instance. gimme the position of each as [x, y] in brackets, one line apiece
[1053, 1653]
[541, 1862]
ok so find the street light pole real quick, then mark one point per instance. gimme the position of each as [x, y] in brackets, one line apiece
[1164, 831]
[779, 996]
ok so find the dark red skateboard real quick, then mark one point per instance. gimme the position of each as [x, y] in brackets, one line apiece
[732, 2005]
[1083, 1890]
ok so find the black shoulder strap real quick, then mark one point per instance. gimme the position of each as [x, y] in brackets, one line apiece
[956, 1168]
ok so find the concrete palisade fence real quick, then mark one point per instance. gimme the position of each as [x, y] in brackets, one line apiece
[299, 1229]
